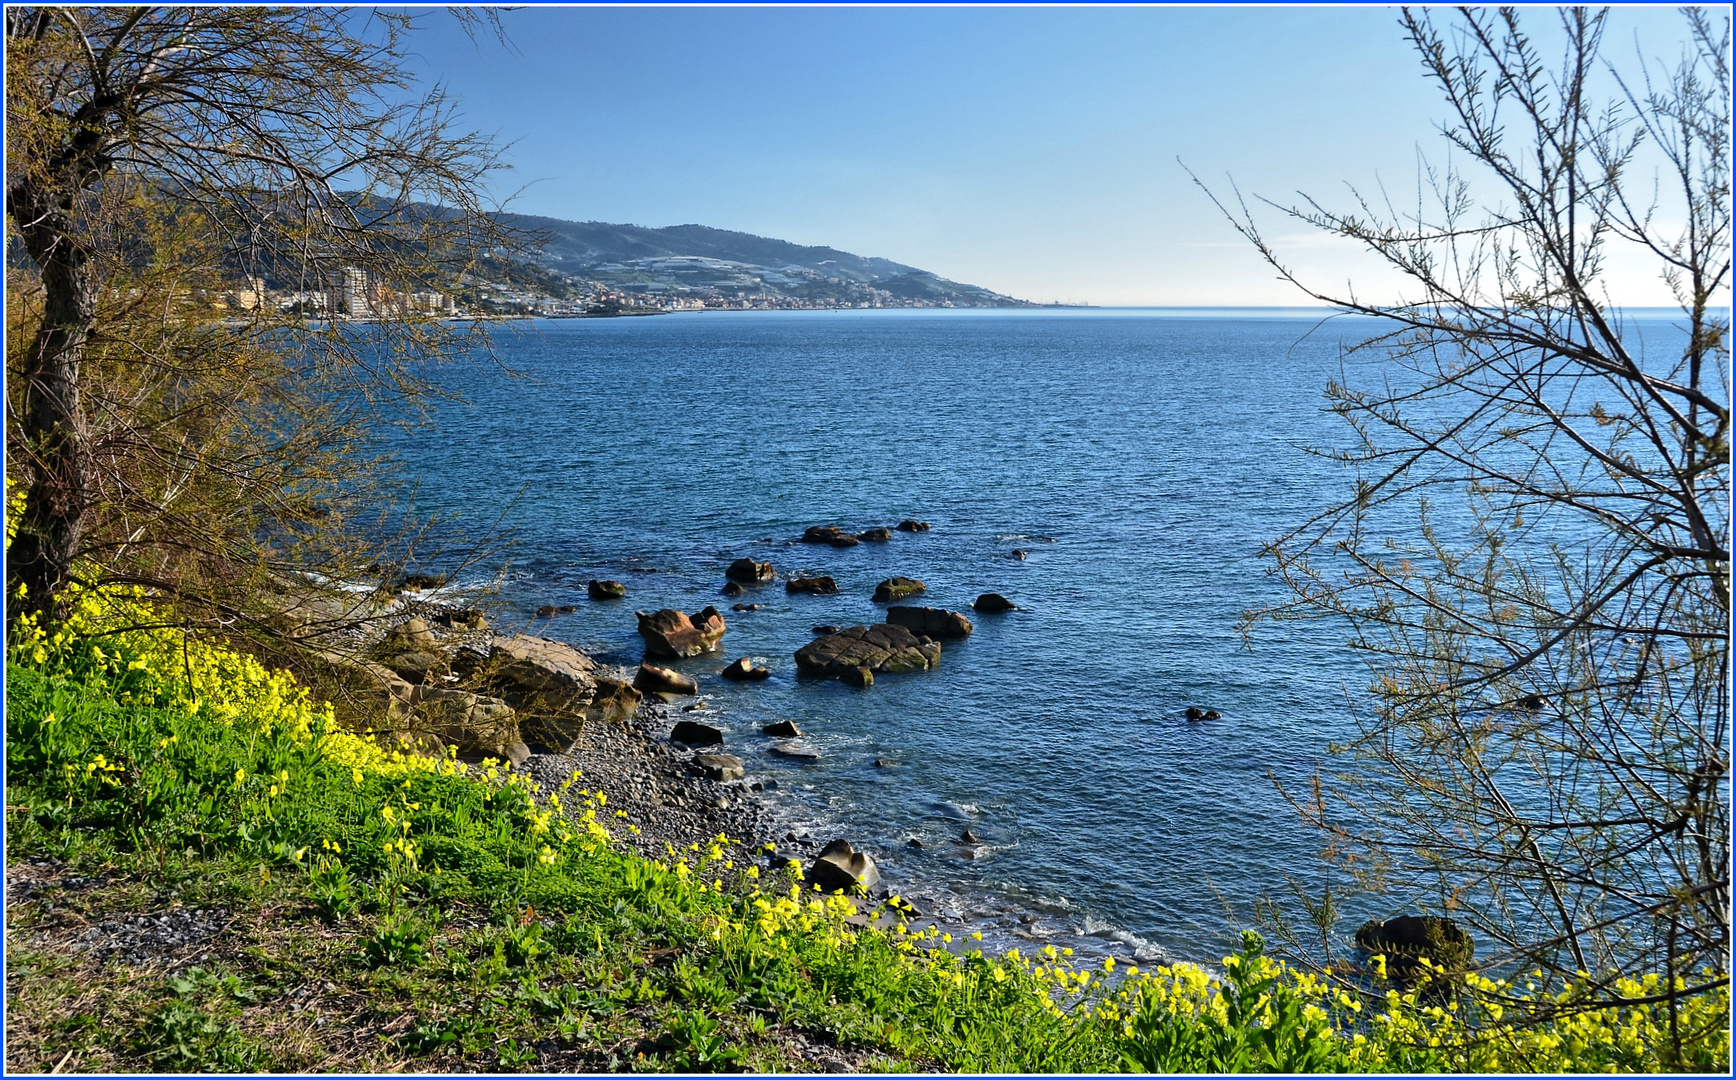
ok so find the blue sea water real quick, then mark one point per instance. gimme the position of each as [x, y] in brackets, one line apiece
[1140, 458]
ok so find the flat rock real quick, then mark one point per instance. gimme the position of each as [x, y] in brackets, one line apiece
[992, 602]
[829, 534]
[796, 752]
[673, 633]
[894, 589]
[720, 766]
[549, 611]
[881, 648]
[522, 667]
[817, 586]
[930, 622]
[911, 525]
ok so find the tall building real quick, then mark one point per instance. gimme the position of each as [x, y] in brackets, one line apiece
[350, 293]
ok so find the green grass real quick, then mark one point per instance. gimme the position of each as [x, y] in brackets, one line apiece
[386, 915]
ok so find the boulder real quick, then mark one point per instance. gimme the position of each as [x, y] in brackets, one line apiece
[745, 569]
[829, 534]
[674, 633]
[841, 868]
[894, 589]
[911, 525]
[930, 622]
[783, 729]
[1020, 554]
[859, 677]
[1194, 712]
[536, 672]
[549, 611]
[817, 586]
[745, 607]
[732, 588]
[462, 619]
[416, 667]
[410, 635]
[743, 670]
[694, 733]
[1408, 938]
[661, 681]
[473, 723]
[877, 535]
[884, 763]
[612, 700]
[720, 766]
[605, 590]
[991, 602]
[795, 752]
[877, 648]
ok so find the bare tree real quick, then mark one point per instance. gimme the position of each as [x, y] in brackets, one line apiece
[164, 166]
[1536, 553]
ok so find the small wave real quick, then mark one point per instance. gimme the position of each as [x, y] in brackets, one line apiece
[1143, 949]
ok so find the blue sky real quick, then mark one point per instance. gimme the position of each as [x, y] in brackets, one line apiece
[1030, 150]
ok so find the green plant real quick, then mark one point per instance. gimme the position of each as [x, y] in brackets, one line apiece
[696, 1042]
[400, 943]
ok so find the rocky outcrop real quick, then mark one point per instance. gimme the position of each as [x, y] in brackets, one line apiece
[409, 636]
[829, 534]
[664, 683]
[745, 569]
[894, 589]
[744, 670]
[883, 648]
[598, 589]
[841, 868]
[674, 633]
[694, 733]
[911, 525]
[1409, 938]
[816, 586]
[930, 622]
[991, 602]
[876, 535]
[524, 667]
[474, 724]
[720, 766]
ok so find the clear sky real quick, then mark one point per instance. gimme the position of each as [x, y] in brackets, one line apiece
[1030, 150]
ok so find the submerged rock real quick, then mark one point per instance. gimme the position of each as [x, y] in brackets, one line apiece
[816, 586]
[601, 589]
[673, 633]
[732, 588]
[829, 534]
[875, 648]
[549, 611]
[796, 752]
[991, 602]
[911, 525]
[877, 535]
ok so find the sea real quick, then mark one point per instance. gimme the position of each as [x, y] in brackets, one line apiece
[1138, 459]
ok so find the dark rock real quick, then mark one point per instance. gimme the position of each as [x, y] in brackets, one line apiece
[991, 602]
[672, 633]
[693, 733]
[796, 752]
[914, 842]
[884, 763]
[827, 629]
[1531, 702]
[419, 582]
[605, 590]
[747, 570]
[911, 525]
[1409, 938]
[929, 622]
[697, 706]
[661, 681]
[1194, 712]
[720, 766]
[880, 648]
[743, 670]
[894, 589]
[1020, 553]
[1213, 714]
[969, 838]
[733, 588]
[783, 729]
[829, 534]
[549, 611]
[462, 619]
[841, 868]
[816, 586]
[745, 607]
[859, 677]
[876, 535]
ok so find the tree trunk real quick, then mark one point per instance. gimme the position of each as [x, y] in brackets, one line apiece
[50, 440]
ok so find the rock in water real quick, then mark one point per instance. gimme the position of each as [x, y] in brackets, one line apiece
[829, 534]
[693, 733]
[747, 570]
[661, 681]
[743, 670]
[990, 602]
[783, 729]
[1020, 554]
[911, 525]
[828, 629]
[817, 586]
[841, 868]
[549, 611]
[745, 607]
[880, 648]
[605, 590]
[733, 588]
[720, 766]
[859, 677]
[929, 622]
[894, 589]
[796, 752]
[1406, 939]
[672, 633]
[875, 535]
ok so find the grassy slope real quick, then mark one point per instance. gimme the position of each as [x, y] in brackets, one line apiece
[384, 914]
